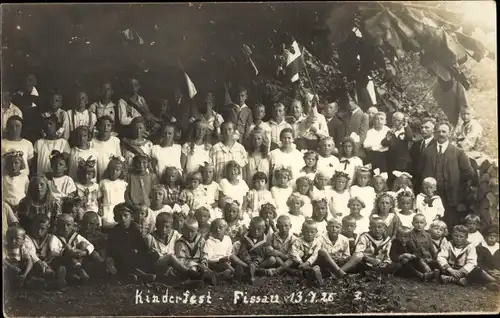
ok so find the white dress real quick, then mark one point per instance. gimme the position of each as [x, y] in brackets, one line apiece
[113, 192]
[22, 145]
[280, 196]
[255, 199]
[296, 221]
[430, 212]
[75, 155]
[105, 150]
[406, 220]
[328, 165]
[154, 213]
[362, 225]
[199, 156]
[367, 194]
[321, 228]
[293, 159]
[235, 192]
[349, 165]
[167, 157]
[61, 187]
[476, 238]
[94, 193]
[307, 208]
[43, 148]
[338, 204]
[14, 188]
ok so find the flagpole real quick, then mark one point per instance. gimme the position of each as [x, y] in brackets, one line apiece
[307, 74]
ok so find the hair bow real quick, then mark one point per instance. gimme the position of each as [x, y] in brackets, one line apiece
[405, 190]
[54, 153]
[345, 162]
[367, 167]
[383, 175]
[119, 158]
[282, 167]
[229, 200]
[399, 174]
[14, 153]
[90, 163]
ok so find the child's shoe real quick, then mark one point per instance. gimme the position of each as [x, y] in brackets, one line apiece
[209, 276]
[426, 277]
[110, 266]
[191, 285]
[61, 277]
[226, 274]
[462, 281]
[269, 272]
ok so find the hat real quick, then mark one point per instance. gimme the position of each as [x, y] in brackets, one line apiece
[492, 229]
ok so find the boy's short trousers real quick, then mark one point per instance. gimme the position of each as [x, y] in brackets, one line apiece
[219, 266]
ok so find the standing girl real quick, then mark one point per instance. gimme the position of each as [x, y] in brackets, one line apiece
[12, 141]
[322, 188]
[258, 146]
[405, 205]
[105, 144]
[80, 115]
[379, 181]
[197, 148]
[112, 187]
[14, 183]
[158, 195]
[361, 189]
[320, 215]
[282, 189]
[349, 162]
[60, 183]
[384, 208]
[256, 197]
[81, 149]
[172, 180]
[304, 187]
[327, 162]
[140, 181]
[340, 195]
[87, 188]
[43, 147]
[211, 188]
[166, 153]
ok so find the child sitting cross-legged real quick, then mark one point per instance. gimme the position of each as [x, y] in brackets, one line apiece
[280, 243]
[422, 245]
[334, 250]
[254, 253]
[18, 261]
[218, 250]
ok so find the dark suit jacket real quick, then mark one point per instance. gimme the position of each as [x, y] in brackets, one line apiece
[416, 155]
[342, 126]
[457, 170]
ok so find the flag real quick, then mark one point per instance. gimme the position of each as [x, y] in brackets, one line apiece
[190, 86]
[294, 61]
[248, 53]
[227, 96]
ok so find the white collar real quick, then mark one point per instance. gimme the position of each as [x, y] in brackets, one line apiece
[34, 92]
[492, 249]
[428, 140]
[399, 131]
[444, 145]
[354, 111]
[11, 106]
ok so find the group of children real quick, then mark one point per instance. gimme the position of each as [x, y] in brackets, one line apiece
[233, 202]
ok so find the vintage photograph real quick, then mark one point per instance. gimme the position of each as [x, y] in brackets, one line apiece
[272, 158]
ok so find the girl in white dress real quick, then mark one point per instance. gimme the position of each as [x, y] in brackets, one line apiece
[15, 183]
[158, 195]
[282, 189]
[361, 188]
[356, 204]
[258, 196]
[379, 181]
[340, 195]
[212, 189]
[60, 183]
[12, 141]
[233, 187]
[320, 215]
[166, 153]
[88, 189]
[287, 155]
[349, 162]
[43, 147]
[195, 152]
[311, 167]
[327, 162]
[105, 144]
[81, 150]
[294, 204]
[405, 205]
[304, 187]
[194, 196]
[258, 161]
[322, 188]
[112, 187]
[137, 144]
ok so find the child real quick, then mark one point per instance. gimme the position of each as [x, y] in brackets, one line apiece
[258, 113]
[356, 205]
[268, 214]
[339, 196]
[304, 253]
[241, 113]
[488, 255]
[473, 222]
[439, 231]
[18, 260]
[137, 144]
[468, 131]
[14, 183]
[361, 188]
[105, 144]
[140, 182]
[235, 227]
[61, 184]
[12, 140]
[211, 188]
[161, 242]
[233, 187]
[377, 153]
[327, 161]
[196, 150]
[405, 260]
[349, 162]
[38, 200]
[256, 197]
[379, 181]
[403, 182]
[80, 115]
[278, 124]
[126, 245]
[86, 187]
[145, 221]
[112, 187]
[405, 204]
[157, 197]
[166, 153]
[281, 243]
[422, 245]
[43, 147]
[210, 117]
[321, 189]
[304, 187]
[258, 161]
[104, 106]
[311, 160]
[282, 190]
[297, 115]
[458, 260]
[62, 116]
[8, 108]
[194, 196]
[428, 203]
[172, 180]
[372, 249]
[295, 204]
[254, 250]
[348, 230]
[320, 214]
[202, 216]
[218, 249]
[287, 155]
[334, 250]
[384, 209]
[81, 150]
[70, 248]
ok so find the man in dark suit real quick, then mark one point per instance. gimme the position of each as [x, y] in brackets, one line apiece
[350, 121]
[451, 168]
[416, 150]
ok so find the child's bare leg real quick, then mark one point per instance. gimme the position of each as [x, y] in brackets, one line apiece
[352, 263]
[331, 263]
[235, 261]
[267, 267]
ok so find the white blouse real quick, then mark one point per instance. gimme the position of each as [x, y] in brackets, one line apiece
[374, 138]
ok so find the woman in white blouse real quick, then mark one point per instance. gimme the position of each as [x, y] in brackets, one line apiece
[377, 153]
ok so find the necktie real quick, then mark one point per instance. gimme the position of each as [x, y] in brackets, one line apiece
[440, 149]
[422, 146]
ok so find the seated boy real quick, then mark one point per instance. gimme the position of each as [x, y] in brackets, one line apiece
[334, 248]
[18, 260]
[348, 228]
[280, 243]
[305, 251]
[218, 250]
[372, 249]
[145, 220]
[422, 246]
[473, 222]
[254, 250]
[488, 255]
[202, 215]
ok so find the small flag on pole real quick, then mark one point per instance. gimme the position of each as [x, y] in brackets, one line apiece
[190, 86]
[294, 61]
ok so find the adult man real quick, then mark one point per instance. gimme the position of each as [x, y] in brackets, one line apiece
[418, 147]
[350, 121]
[451, 168]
